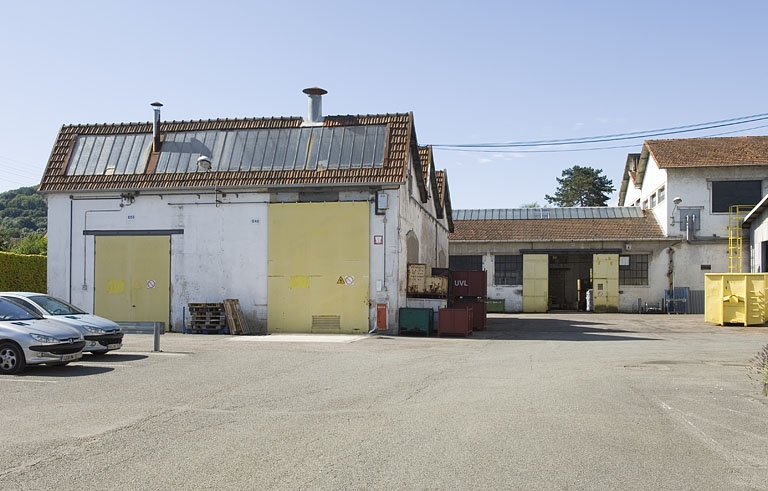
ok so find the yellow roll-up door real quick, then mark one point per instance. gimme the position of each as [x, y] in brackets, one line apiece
[132, 278]
[605, 282]
[535, 282]
[318, 267]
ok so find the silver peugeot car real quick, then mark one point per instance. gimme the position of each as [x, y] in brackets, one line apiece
[101, 335]
[26, 338]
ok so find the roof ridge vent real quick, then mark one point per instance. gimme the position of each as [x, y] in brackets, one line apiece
[315, 106]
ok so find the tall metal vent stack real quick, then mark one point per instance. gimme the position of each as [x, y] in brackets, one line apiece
[315, 105]
[156, 127]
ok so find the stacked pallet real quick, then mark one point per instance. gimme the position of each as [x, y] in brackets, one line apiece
[207, 318]
[235, 318]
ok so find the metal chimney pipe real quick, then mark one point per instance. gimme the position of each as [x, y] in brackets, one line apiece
[315, 105]
[156, 127]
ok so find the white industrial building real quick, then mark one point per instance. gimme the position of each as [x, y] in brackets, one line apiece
[685, 187]
[308, 222]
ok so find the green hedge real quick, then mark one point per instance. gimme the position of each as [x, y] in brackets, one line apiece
[22, 272]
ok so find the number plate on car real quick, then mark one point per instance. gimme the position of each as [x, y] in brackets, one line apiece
[114, 346]
[71, 356]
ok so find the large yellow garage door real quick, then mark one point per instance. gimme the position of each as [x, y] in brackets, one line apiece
[318, 267]
[535, 282]
[133, 278]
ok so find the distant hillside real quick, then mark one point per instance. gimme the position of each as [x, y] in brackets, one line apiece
[23, 212]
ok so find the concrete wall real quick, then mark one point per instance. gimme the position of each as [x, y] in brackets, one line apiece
[758, 235]
[222, 252]
[693, 185]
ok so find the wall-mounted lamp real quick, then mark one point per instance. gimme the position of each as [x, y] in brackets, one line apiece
[677, 200]
[204, 163]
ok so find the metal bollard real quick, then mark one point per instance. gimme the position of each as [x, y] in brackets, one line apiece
[158, 326]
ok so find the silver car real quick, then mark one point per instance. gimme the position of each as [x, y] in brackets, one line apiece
[28, 339]
[101, 335]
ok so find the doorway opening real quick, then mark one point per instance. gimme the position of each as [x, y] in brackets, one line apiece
[570, 276]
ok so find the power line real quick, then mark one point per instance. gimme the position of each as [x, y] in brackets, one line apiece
[612, 137]
[591, 149]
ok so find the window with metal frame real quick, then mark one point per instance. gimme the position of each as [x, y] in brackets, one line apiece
[508, 270]
[633, 270]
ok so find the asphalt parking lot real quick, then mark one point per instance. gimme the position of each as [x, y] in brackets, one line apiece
[551, 401]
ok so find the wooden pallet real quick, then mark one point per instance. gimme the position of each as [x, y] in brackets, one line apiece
[235, 318]
[207, 318]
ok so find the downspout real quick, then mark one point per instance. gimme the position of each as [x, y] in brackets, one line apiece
[671, 270]
[71, 253]
[384, 240]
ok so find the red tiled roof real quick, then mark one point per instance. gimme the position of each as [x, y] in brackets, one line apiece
[400, 141]
[441, 178]
[706, 152]
[557, 229]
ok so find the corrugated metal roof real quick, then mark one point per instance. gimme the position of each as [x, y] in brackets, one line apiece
[550, 213]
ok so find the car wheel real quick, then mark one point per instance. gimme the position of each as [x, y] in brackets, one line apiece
[11, 358]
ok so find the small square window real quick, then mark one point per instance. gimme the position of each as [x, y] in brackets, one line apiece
[653, 200]
[662, 194]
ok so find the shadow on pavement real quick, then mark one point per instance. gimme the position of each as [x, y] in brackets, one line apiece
[111, 358]
[72, 370]
[533, 328]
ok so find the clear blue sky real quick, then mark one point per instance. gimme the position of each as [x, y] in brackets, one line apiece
[470, 71]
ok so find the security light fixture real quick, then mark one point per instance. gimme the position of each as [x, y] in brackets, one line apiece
[204, 163]
[677, 200]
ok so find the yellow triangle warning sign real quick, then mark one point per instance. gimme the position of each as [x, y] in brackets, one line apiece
[340, 281]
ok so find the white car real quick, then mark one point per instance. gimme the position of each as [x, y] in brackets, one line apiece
[101, 335]
[28, 339]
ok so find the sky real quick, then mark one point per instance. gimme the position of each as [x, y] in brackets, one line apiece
[471, 72]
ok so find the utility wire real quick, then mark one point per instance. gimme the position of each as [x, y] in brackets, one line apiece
[591, 149]
[613, 137]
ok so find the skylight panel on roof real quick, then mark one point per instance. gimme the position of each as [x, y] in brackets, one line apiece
[285, 149]
[115, 154]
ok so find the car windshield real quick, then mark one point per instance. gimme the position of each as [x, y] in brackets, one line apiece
[54, 306]
[9, 311]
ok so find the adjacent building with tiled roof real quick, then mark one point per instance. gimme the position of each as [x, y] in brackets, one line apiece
[543, 259]
[676, 204]
[304, 220]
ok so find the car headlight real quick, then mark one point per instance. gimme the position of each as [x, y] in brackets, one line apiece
[40, 338]
[94, 330]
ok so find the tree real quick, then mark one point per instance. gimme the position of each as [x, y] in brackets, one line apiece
[534, 204]
[32, 244]
[582, 186]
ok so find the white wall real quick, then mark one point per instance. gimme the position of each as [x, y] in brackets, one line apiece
[693, 185]
[758, 235]
[385, 259]
[222, 252]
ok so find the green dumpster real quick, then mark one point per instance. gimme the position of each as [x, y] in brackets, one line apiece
[494, 305]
